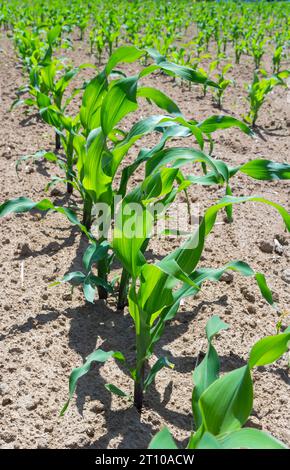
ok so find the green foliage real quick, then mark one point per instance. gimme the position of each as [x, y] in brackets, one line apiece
[259, 89]
[221, 405]
[92, 146]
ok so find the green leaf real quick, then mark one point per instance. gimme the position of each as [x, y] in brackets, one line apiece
[214, 123]
[227, 403]
[92, 100]
[266, 170]
[49, 156]
[94, 253]
[159, 364]
[208, 370]
[213, 274]
[76, 276]
[116, 390]
[158, 184]
[211, 213]
[97, 356]
[180, 156]
[132, 226]
[23, 204]
[269, 349]
[53, 34]
[214, 326]
[265, 290]
[119, 101]
[163, 440]
[160, 99]
[95, 180]
[208, 441]
[249, 438]
[123, 54]
[139, 129]
[186, 73]
[155, 290]
[89, 289]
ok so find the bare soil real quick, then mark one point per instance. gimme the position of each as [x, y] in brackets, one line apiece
[45, 332]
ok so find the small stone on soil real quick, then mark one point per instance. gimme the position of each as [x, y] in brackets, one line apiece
[7, 401]
[286, 275]
[227, 277]
[266, 247]
[251, 309]
[279, 249]
[90, 432]
[248, 295]
[67, 297]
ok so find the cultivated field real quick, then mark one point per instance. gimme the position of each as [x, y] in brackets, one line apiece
[151, 354]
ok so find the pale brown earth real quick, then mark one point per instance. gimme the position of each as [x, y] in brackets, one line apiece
[45, 332]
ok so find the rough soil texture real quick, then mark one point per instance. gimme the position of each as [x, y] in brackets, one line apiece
[45, 332]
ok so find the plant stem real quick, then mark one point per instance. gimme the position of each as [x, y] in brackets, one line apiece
[102, 273]
[122, 297]
[87, 212]
[69, 188]
[57, 141]
[229, 209]
[69, 164]
[138, 388]
[188, 205]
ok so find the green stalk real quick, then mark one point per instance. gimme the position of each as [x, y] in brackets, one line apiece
[142, 344]
[123, 290]
[57, 141]
[69, 163]
[138, 388]
[229, 209]
[204, 168]
[103, 274]
[87, 212]
[188, 205]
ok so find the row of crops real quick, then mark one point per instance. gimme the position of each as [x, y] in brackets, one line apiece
[160, 38]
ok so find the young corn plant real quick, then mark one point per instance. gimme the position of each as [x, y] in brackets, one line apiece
[47, 84]
[221, 405]
[240, 48]
[277, 57]
[156, 290]
[259, 89]
[212, 66]
[94, 151]
[97, 43]
[223, 84]
[91, 142]
[257, 50]
[32, 48]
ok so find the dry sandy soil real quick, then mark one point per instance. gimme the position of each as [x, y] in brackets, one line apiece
[45, 332]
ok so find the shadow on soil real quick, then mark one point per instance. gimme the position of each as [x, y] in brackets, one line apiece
[90, 324]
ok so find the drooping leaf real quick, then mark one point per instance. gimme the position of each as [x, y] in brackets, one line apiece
[159, 364]
[269, 349]
[97, 356]
[266, 170]
[249, 438]
[23, 204]
[214, 123]
[116, 390]
[159, 98]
